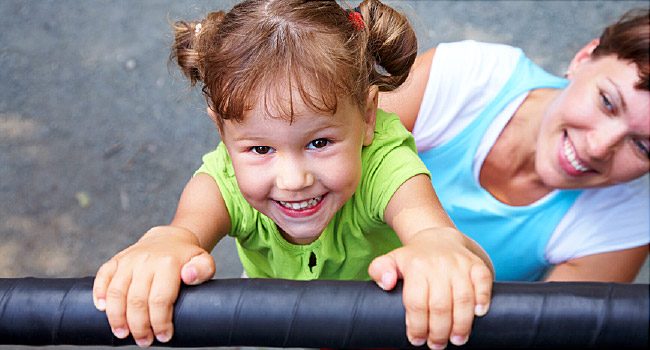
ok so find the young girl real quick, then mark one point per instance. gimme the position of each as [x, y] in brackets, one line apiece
[311, 178]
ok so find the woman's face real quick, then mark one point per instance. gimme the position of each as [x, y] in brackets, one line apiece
[596, 131]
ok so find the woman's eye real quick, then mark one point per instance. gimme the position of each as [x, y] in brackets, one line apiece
[643, 146]
[260, 149]
[319, 143]
[607, 103]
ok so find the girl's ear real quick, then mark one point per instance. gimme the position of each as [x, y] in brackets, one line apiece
[213, 117]
[370, 114]
[583, 55]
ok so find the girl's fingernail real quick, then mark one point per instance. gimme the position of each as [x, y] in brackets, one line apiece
[437, 346]
[163, 337]
[120, 332]
[459, 340]
[386, 279]
[480, 310]
[101, 304]
[143, 342]
[418, 341]
[190, 274]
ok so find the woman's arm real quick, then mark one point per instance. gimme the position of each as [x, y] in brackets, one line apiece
[617, 266]
[406, 100]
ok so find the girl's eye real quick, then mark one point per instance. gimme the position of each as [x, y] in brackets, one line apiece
[643, 146]
[607, 103]
[260, 149]
[318, 143]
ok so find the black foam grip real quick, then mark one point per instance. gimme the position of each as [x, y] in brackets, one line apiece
[331, 314]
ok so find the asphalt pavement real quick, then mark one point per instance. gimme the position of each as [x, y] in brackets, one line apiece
[99, 133]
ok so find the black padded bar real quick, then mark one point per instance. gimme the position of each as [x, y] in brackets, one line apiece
[331, 314]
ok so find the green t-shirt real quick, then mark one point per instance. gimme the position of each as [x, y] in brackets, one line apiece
[357, 233]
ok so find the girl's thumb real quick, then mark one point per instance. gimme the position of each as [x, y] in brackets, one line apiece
[383, 270]
[198, 270]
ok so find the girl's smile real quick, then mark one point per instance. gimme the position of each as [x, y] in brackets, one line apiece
[304, 208]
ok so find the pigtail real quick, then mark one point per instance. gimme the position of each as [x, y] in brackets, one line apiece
[392, 45]
[190, 41]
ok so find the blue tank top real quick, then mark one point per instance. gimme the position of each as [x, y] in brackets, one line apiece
[515, 237]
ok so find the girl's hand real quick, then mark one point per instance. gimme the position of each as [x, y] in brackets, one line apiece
[445, 285]
[138, 287]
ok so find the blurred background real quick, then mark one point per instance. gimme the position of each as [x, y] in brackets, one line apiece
[99, 133]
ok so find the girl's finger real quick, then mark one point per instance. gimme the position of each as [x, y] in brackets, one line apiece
[415, 296]
[101, 282]
[116, 302]
[163, 294]
[383, 270]
[463, 309]
[198, 270]
[137, 306]
[482, 280]
[440, 315]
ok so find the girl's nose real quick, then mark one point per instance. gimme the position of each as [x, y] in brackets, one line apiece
[292, 175]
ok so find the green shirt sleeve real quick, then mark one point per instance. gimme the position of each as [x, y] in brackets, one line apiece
[218, 165]
[388, 162]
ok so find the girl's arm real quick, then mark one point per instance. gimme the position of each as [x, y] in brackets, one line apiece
[202, 211]
[447, 276]
[406, 100]
[617, 266]
[138, 286]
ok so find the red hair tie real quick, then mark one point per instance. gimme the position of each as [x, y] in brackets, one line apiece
[356, 18]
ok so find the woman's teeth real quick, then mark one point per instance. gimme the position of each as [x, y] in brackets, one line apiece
[303, 204]
[570, 154]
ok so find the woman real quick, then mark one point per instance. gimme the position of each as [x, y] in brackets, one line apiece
[549, 175]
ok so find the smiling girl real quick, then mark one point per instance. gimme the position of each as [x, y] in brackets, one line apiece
[312, 180]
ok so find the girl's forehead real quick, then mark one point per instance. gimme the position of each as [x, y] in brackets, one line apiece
[265, 115]
[261, 127]
[288, 103]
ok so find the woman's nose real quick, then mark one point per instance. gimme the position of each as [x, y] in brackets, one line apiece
[292, 174]
[604, 140]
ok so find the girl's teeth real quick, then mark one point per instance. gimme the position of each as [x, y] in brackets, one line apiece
[301, 205]
[571, 156]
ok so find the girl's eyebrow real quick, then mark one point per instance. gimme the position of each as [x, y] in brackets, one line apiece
[247, 138]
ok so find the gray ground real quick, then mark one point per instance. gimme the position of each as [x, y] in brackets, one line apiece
[98, 134]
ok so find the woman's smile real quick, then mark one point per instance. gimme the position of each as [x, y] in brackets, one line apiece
[569, 159]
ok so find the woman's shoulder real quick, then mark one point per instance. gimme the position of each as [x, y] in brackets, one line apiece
[482, 47]
[464, 77]
[478, 63]
[632, 192]
[617, 205]
[603, 219]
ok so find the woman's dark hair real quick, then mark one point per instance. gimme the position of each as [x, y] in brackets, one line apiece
[629, 39]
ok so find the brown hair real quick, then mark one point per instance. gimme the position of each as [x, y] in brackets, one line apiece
[629, 39]
[262, 47]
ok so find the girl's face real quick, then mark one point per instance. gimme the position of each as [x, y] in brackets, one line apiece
[300, 174]
[596, 131]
